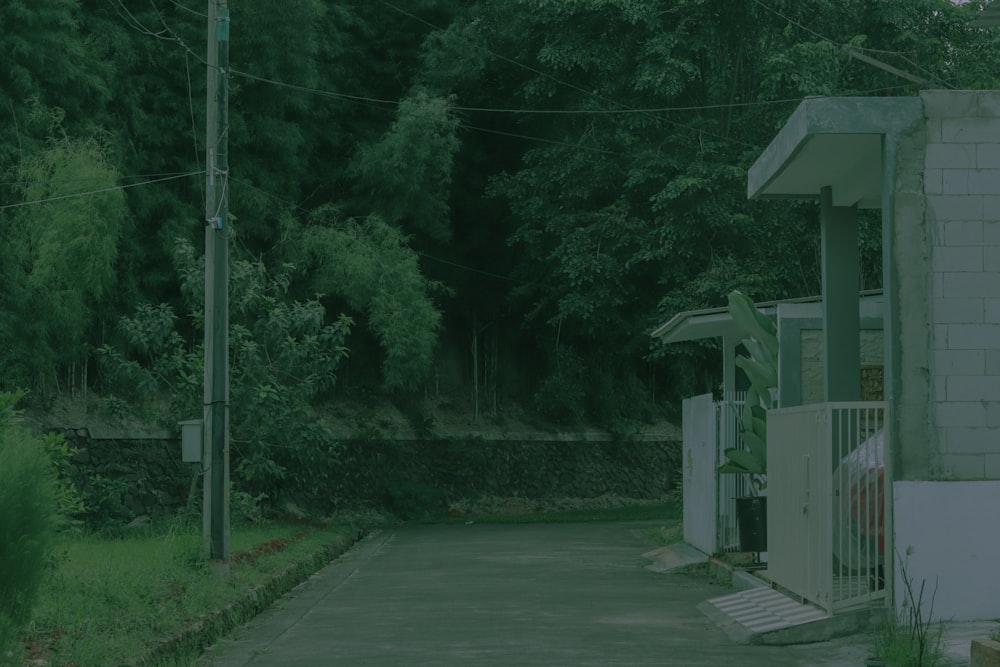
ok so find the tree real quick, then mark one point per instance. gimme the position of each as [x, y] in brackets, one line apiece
[406, 175]
[61, 252]
[627, 216]
[284, 355]
[370, 265]
[47, 63]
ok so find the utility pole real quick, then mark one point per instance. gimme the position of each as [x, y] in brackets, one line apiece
[216, 400]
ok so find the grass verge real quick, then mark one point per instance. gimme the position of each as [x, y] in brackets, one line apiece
[152, 599]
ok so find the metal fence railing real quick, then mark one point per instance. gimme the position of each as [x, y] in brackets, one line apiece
[829, 507]
[730, 487]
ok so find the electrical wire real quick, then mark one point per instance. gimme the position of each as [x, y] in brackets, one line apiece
[167, 34]
[606, 100]
[100, 178]
[384, 103]
[847, 47]
[468, 268]
[582, 147]
[188, 9]
[368, 101]
[313, 91]
[194, 131]
[523, 111]
[101, 190]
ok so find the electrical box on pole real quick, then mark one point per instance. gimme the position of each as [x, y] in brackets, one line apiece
[216, 396]
[192, 432]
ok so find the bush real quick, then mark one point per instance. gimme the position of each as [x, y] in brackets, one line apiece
[27, 519]
[561, 394]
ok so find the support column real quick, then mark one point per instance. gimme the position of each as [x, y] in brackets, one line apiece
[729, 343]
[841, 318]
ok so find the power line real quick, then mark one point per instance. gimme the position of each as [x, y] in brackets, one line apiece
[372, 101]
[598, 96]
[592, 149]
[167, 34]
[101, 190]
[857, 51]
[524, 111]
[188, 9]
[194, 133]
[469, 268]
[367, 101]
[313, 91]
[798, 25]
[100, 178]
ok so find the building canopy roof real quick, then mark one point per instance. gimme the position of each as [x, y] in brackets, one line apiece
[835, 142]
[717, 322]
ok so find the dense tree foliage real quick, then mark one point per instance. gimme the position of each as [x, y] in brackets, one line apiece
[546, 180]
[28, 496]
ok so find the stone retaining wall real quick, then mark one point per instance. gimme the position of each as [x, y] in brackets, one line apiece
[128, 476]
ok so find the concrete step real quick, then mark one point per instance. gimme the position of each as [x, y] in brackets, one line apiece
[766, 616]
[679, 557]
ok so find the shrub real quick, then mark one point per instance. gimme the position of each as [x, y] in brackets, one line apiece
[27, 519]
[560, 396]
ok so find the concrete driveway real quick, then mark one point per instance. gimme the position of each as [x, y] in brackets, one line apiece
[554, 594]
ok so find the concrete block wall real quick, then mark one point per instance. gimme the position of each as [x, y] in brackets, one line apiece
[962, 188]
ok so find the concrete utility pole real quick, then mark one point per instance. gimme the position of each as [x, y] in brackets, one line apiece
[216, 418]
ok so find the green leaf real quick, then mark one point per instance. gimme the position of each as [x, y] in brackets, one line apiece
[741, 461]
[756, 444]
[752, 322]
[760, 373]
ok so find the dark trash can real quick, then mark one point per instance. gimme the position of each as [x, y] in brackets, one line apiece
[751, 518]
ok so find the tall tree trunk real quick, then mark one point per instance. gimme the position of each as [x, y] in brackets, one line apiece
[475, 370]
[493, 367]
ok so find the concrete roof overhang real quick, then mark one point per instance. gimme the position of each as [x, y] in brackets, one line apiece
[701, 324]
[833, 142]
[717, 322]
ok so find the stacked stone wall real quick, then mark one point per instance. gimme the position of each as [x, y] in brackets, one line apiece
[128, 479]
[124, 479]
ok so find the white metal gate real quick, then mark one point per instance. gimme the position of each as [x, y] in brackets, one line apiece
[700, 449]
[709, 497]
[829, 512]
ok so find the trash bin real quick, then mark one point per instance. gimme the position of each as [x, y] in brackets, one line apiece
[751, 519]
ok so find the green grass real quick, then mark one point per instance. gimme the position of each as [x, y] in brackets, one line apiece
[109, 601]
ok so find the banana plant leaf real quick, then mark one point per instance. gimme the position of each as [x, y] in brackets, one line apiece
[744, 462]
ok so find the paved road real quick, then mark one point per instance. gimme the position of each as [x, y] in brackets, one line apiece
[520, 595]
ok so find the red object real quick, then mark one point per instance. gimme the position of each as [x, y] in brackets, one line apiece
[868, 506]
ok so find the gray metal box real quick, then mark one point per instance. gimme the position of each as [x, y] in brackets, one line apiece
[191, 439]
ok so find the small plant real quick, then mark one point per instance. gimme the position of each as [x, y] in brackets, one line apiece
[909, 637]
[69, 498]
[761, 367]
[247, 508]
